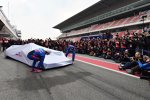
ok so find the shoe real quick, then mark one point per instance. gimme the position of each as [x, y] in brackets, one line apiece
[129, 71]
[120, 68]
[144, 77]
[37, 70]
[32, 70]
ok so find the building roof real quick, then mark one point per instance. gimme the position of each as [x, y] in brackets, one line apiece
[100, 7]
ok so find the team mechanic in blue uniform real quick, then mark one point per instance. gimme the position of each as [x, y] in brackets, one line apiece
[37, 55]
[71, 49]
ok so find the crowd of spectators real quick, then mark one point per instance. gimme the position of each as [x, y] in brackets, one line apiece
[105, 46]
[115, 47]
[52, 44]
[119, 49]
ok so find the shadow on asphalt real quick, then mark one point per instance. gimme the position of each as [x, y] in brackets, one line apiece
[38, 82]
[8, 58]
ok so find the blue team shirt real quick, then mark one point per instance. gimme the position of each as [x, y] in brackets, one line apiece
[71, 48]
[39, 52]
[145, 66]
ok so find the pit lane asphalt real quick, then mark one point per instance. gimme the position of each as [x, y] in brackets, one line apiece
[74, 82]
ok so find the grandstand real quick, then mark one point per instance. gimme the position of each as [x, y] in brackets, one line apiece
[113, 16]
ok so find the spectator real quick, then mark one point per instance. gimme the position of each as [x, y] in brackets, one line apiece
[141, 66]
[133, 61]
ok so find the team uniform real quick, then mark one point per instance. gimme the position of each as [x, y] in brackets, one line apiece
[37, 55]
[71, 49]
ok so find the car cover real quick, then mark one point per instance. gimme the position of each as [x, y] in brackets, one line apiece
[54, 59]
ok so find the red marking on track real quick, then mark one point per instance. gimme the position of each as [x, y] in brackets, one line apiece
[99, 63]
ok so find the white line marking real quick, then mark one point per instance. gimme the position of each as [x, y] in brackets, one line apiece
[109, 69]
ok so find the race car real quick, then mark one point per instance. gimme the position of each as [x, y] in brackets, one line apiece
[54, 59]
